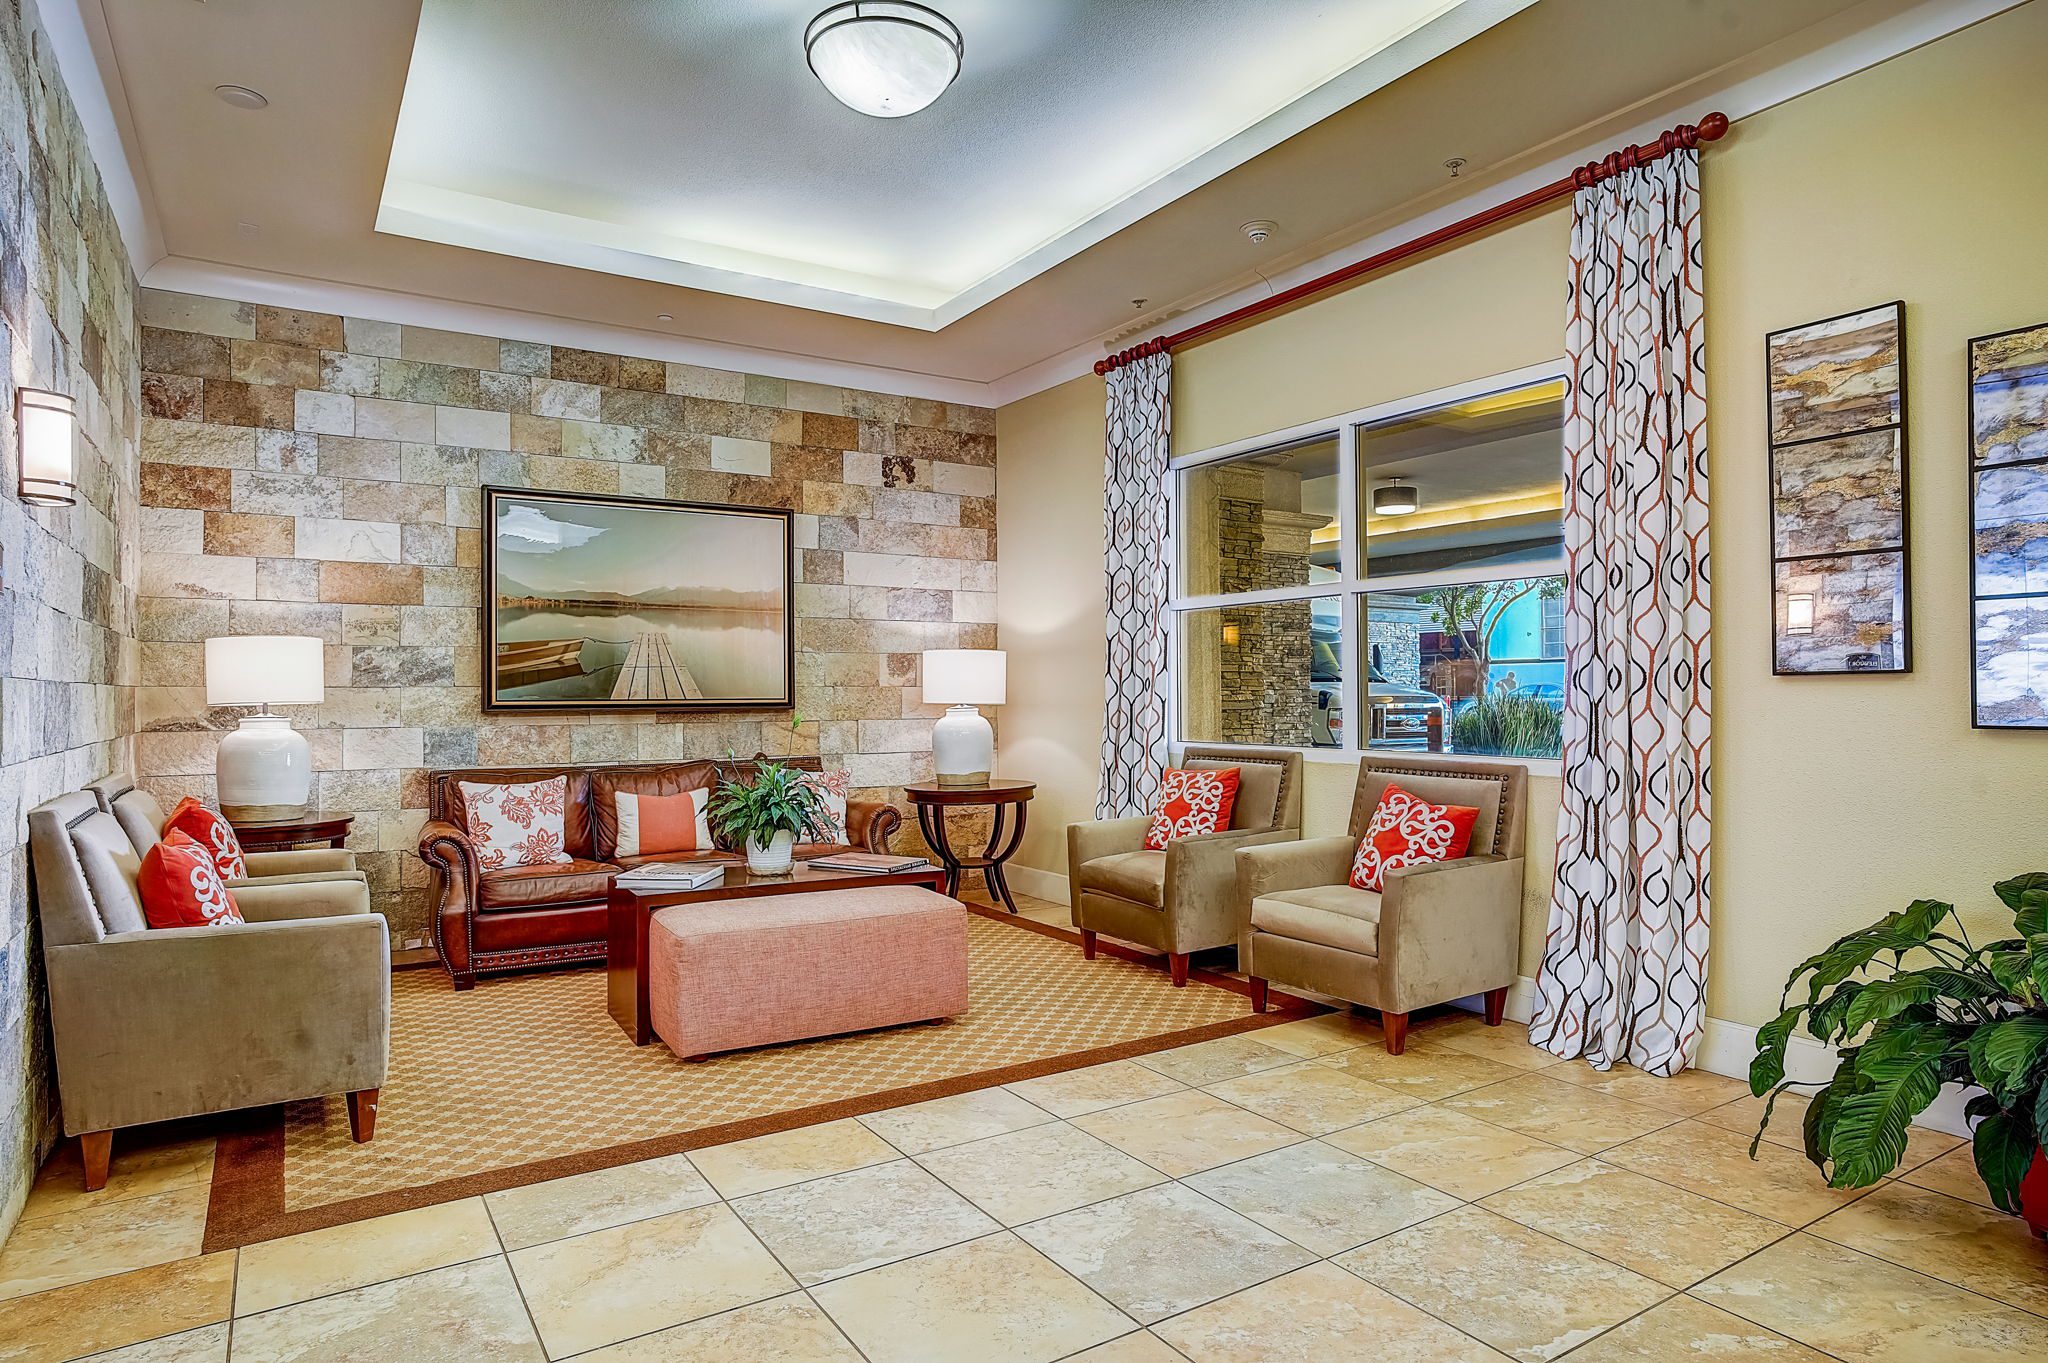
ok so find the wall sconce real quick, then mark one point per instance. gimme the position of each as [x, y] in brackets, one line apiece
[1799, 613]
[45, 424]
[1230, 636]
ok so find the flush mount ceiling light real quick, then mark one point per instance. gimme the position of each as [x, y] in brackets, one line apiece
[884, 58]
[1395, 498]
[241, 96]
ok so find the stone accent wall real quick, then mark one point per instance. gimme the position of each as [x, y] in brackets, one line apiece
[67, 597]
[305, 473]
[1263, 663]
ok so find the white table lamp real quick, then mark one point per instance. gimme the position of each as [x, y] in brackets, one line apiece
[963, 743]
[264, 770]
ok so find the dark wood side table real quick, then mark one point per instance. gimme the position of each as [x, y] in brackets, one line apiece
[276, 835]
[932, 802]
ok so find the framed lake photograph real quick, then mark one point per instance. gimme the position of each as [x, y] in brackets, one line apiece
[618, 603]
[2009, 529]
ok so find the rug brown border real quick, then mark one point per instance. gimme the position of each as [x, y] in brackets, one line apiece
[246, 1202]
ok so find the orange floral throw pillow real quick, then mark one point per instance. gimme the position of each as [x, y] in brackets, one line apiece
[1407, 831]
[213, 832]
[1191, 802]
[180, 887]
[517, 825]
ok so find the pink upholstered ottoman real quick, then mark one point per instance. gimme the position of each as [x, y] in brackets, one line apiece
[750, 972]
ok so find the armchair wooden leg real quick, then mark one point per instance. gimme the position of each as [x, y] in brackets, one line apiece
[1496, 1005]
[1396, 1025]
[1258, 994]
[1087, 944]
[1177, 966]
[362, 1115]
[97, 1147]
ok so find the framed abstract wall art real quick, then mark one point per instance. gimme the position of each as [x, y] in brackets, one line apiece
[2009, 529]
[1841, 572]
[619, 604]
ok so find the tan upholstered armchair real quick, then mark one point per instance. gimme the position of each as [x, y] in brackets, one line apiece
[1438, 932]
[1184, 899]
[142, 818]
[151, 1024]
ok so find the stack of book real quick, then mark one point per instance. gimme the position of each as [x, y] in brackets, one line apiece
[671, 875]
[870, 863]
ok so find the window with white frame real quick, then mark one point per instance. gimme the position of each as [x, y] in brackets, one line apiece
[1391, 578]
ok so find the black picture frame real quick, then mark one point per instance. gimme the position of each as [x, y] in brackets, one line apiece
[495, 703]
[1898, 425]
[1972, 469]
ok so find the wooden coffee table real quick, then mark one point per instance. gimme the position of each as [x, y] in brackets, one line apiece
[633, 908]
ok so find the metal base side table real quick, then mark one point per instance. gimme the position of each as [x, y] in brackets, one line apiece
[932, 802]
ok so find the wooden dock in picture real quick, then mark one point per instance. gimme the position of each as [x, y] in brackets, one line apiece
[539, 660]
[653, 672]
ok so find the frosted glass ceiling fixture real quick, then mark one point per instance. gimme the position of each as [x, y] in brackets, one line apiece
[883, 57]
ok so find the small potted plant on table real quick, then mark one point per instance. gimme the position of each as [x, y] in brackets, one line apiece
[766, 813]
[1958, 1013]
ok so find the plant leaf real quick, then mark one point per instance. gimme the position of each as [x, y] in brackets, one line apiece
[2013, 893]
[2004, 1053]
[1902, 1069]
[1767, 1070]
[2004, 1148]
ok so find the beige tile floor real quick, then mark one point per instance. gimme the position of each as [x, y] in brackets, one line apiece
[1280, 1197]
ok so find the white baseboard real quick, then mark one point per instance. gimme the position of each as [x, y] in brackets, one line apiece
[1036, 883]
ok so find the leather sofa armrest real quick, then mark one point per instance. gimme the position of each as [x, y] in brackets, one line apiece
[871, 823]
[301, 861]
[448, 849]
[263, 901]
[1449, 929]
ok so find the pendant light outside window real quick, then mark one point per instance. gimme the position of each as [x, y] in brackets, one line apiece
[1395, 498]
[45, 425]
[884, 58]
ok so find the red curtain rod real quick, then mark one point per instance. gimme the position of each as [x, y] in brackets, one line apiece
[1709, 129]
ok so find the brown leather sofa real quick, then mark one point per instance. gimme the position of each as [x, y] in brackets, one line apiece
[546, 915]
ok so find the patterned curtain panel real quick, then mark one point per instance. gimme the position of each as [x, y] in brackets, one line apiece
[1136, 557]
[1625, 962]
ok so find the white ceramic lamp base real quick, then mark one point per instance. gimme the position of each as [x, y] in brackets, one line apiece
[963, 747]
[264, 771]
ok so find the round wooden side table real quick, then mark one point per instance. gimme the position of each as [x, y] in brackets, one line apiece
[280, 834]
[932, 802]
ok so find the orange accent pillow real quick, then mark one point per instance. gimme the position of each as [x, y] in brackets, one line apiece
[1407, 831]
[651, 825]
[211, 830]
[1191, 802]
[180, 887]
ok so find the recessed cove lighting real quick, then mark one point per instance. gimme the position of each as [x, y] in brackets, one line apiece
[884, 58]
[241, 96]
[1395, 498]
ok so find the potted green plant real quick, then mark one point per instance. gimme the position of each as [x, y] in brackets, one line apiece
[1911, 1003]
[766, 813]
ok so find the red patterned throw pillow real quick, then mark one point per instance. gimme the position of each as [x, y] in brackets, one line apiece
[211, 831]
[517, 825]
[180, 888]
[1407, 831]
[1191, 802]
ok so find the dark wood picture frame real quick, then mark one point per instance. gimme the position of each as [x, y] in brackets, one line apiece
[1971, 470]
[493, 703]
[1903, 550]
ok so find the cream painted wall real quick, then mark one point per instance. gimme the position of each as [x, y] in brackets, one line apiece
[1837, 799]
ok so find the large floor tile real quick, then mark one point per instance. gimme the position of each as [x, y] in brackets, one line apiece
[1947, 1238]
[1449, 1150]
[1140, 1346]
[1562, 1114]
[610, 1285]
[569, 1206]
[1314, 1315]
[1312, 1098]
[1185, 1133]
[1688, 1329]
[1323, 1034]
[1524, 1293]
[1211, 1062]
[1320, 1197]
[1776, 1183]
[1158, 1252]
[1507, 1043]
[1038, 1172]
[459, 1314]
[753, 1166]
[207, 1344]
[100, 1239]
[142, 1165]
[830, 1227]
[954, 1121]
[789, 1327]
[1687, 1093]
[276, 1273]
[1095, 1087]
[1955, 1174]
[1864, 1310]
[1660, 1231]
[111, 1313]
[994, 1300]
[1421, 1073]
[1788, 1123]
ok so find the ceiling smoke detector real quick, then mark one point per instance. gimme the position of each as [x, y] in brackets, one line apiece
[241, 97]
[1258, 230]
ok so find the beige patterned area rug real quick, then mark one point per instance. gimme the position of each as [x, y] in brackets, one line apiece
[528, 1078]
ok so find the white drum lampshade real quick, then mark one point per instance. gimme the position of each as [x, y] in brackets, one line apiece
[264, 770]
[963, 741]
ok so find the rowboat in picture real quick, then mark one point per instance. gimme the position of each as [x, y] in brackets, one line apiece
[539, 660]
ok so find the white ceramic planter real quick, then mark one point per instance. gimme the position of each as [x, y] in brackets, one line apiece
[773, 859]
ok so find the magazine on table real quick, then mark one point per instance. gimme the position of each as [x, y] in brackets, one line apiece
[672, 875]
[872, 863]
